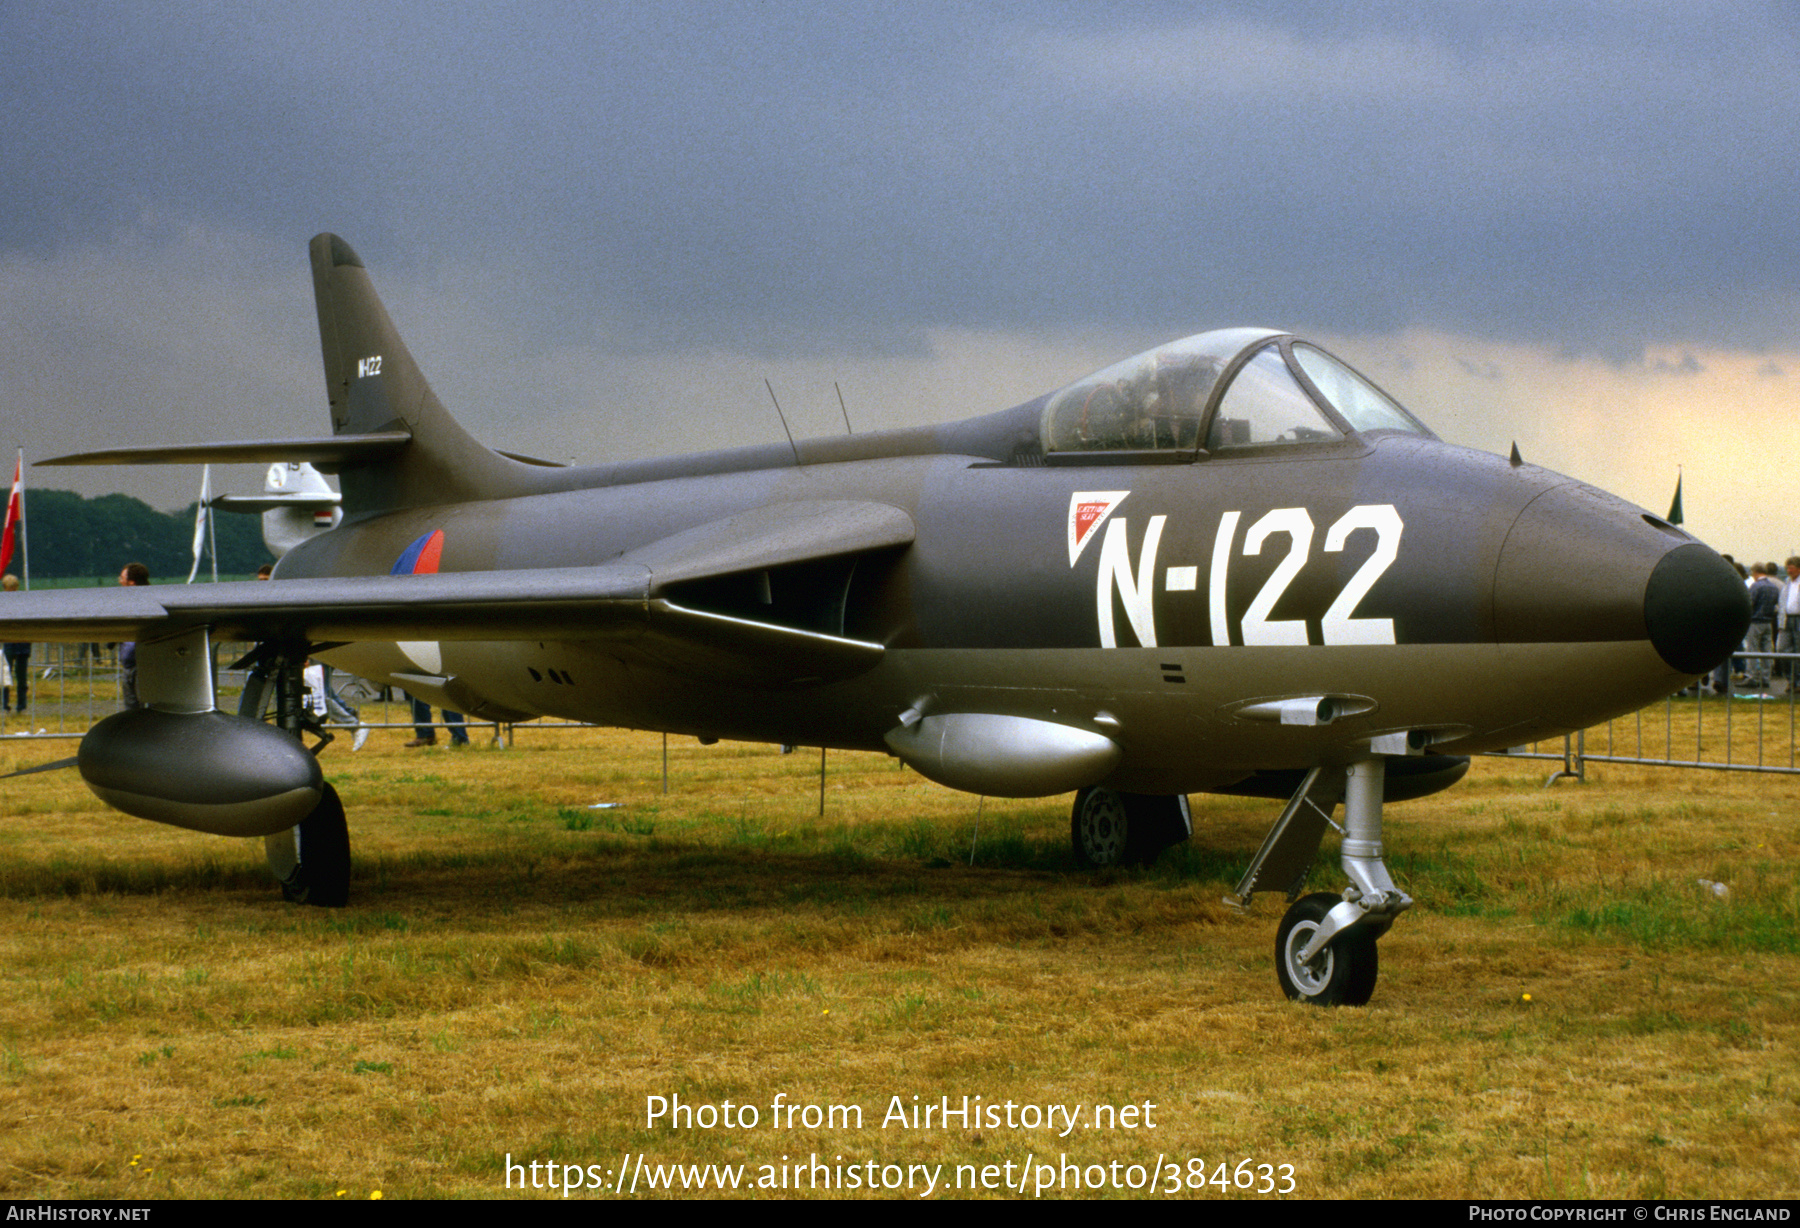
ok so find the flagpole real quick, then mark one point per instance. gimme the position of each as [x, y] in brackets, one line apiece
[12, 535]
[23, 532]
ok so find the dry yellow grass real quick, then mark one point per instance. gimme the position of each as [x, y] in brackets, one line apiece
[518, 974]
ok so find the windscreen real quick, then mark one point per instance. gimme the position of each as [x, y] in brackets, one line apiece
[1266, 405]
[1362, 404]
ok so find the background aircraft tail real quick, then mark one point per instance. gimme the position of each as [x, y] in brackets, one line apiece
[375, 386]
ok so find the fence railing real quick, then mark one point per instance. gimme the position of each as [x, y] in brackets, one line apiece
[69, 687]
[1728, 729]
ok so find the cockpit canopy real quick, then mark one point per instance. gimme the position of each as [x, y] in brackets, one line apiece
[1233, 388]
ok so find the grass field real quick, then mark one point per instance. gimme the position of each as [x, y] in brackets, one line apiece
[1565, 1013]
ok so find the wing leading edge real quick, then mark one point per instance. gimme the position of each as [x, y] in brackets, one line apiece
[623, 602]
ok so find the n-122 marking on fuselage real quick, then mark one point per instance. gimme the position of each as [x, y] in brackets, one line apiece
[1135, 587]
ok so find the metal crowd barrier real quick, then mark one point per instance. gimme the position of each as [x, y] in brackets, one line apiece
[72, 686]
[1735, 729]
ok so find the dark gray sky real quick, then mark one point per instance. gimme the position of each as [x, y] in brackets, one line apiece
[599, 225]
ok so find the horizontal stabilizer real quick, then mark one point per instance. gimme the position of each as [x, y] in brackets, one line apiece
[306, 500]
[329, 453]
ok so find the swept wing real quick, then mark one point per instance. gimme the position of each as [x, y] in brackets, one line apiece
[624, 602]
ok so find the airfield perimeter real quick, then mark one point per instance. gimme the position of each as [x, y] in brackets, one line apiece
[518, 972]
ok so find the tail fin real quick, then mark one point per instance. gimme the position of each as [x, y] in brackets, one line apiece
[375, 385]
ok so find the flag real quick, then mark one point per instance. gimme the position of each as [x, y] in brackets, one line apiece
[1674, 516]
[202, 514]
[14, 531]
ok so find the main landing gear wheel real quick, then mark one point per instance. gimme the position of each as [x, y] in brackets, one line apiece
[313, 859]
[1110, 828]
[1099, 829]
[1341, 974]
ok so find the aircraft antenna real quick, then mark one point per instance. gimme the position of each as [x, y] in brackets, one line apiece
[783, 417]
[848, 429]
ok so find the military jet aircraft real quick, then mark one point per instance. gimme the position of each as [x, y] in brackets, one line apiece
[1230, 564]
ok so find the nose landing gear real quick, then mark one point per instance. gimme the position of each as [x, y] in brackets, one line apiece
[1340, 973]
[1325, 948]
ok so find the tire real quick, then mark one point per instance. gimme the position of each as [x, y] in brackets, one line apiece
[1100, 829]
[321, 876]
[1108, 828]
[1157, 822]
[1343, 974]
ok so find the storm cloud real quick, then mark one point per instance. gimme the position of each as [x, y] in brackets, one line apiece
[582, 215]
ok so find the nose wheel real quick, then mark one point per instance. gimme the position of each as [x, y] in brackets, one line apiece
[1341, 973]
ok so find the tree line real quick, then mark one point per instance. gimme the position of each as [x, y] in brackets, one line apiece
[71, 536]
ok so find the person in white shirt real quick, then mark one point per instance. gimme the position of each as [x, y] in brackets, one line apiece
[1789, 639]
[324, 704]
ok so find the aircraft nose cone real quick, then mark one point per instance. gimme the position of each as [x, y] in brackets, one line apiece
[1575, 567]
[1695, 608]
[1580, 566]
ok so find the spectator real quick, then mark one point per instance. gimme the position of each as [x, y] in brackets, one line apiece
[323, 701]
[425, 735]
[18, 660]
[1790, 618]
[134, 575]
[1765, 602]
